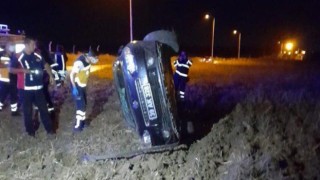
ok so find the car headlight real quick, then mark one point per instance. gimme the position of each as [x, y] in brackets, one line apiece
[129, 59]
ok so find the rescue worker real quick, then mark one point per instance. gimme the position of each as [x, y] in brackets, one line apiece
[79, 78]
[182, 65]
[33, 87]
[41, 50]
[59, 65]
[8, 81]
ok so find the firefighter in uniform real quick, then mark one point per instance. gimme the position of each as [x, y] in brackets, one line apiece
[59, 66]
[8, 80]
[33, 87]
[182, 65]
[79, 78]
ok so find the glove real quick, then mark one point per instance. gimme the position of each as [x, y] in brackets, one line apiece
[75, 91]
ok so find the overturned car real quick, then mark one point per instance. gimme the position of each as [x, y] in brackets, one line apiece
[144, 82]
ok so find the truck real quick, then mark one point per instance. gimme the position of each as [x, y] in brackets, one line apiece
[6, 36]
[290, 51]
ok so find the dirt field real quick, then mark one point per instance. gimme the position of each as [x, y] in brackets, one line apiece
[253, 119]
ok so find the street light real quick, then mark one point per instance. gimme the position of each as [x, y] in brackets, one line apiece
[207, 17]
[131, 34]
[239, 40]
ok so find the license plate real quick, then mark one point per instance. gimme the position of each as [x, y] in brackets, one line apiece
[152, 113]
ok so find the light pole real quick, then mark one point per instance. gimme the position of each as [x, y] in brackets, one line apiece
[207, 16]
[239, 40]
[131, 34]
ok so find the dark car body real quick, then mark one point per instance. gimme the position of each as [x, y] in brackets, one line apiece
[143, 79]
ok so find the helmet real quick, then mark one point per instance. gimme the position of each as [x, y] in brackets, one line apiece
[92, 57]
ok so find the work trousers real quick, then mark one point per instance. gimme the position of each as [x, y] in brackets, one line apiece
[180, 85]
[8, 88]
[81, 103]
[37, 98]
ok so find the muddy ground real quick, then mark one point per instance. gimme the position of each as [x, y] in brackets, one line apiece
[253, 119]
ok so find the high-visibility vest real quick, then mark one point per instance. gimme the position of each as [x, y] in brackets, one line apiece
[4, 72]
[83, 75]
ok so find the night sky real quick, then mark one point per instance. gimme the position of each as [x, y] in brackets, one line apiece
[106, 22]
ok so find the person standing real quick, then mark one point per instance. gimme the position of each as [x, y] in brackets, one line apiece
[59, 65]
[8, 80]
[33, 87]
[182, 65]
[79, 78]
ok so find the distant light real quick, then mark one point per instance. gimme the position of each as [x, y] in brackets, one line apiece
[289, 53]
[1, 49]
[19, 48]
[296, 52]
[134, 41]
[289, 46]
[303, 52]
[235, 31]
[207, 16]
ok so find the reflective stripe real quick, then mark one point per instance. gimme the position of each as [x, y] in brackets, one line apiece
[183, 65]
[20, 57]
[181, 74]
[4, 79]
[3, 58]
[32, 87]
[82, 113]
[38, 55]
[77, 123]
[14, 107]
[81, 116]
[63, 65]
[50, 109]
[27, 64]
[53, 65]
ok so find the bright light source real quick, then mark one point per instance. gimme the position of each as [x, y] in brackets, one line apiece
[207, 16]
[235, 31]
[296, 52]
[289, 46]
[1, 49]
[19, 48]
[303, 52]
